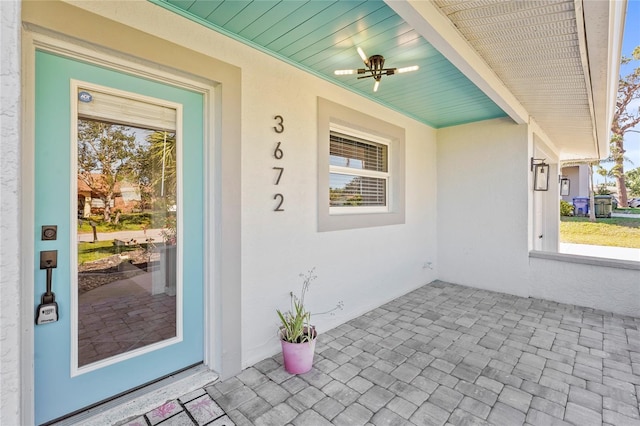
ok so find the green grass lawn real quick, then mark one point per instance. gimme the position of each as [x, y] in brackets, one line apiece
[88, 252]
[617, 232]
[128, 222]
[85, 228]
[627, 210]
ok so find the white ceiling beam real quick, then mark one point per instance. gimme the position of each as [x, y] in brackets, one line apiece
[602, 37]
[438, 30]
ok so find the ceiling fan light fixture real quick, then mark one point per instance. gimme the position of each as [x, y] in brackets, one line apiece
[375, 69]
[376, 65]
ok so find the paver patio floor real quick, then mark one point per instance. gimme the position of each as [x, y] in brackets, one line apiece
[442, 354]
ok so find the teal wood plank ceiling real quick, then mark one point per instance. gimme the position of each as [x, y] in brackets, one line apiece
[321, 36]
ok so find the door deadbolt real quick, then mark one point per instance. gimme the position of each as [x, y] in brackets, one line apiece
[49, 232]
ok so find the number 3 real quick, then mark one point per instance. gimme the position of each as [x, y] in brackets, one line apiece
[279, 128]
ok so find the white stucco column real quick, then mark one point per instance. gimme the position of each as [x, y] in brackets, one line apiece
[10, 363]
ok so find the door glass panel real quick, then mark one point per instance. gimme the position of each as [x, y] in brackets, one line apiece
[127, 229]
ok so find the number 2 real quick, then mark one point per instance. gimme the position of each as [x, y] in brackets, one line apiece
[279, 206]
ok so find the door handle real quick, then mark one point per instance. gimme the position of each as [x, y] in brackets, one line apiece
[47, 310]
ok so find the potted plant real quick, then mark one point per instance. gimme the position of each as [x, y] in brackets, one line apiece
[297, 335]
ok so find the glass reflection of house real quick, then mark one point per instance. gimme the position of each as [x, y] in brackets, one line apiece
[126, 197]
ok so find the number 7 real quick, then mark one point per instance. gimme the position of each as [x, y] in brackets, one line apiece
[279, 174]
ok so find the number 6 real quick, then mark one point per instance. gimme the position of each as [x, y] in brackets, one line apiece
[278, 153]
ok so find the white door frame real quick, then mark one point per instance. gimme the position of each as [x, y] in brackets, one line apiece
[32, 40]
[545, 204]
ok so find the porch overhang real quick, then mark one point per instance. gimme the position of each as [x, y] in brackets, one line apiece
[552, 63]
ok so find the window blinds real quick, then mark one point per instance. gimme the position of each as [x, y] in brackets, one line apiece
[352, 152]
[112, 108]
[358, 172]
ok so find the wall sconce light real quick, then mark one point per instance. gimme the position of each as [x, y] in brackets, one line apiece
[565, 185]
[541, 174]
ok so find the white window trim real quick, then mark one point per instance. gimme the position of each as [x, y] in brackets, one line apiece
[335, 117]
[79, 111]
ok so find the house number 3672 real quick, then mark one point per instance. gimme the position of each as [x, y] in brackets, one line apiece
[278, 154]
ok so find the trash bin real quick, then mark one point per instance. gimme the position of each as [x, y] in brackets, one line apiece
[602, 205]
[581, 206]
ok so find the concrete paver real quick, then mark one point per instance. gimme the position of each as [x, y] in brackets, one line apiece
[443, 354]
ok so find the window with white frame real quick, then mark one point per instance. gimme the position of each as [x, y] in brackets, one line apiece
[361, 169]
[358, 172]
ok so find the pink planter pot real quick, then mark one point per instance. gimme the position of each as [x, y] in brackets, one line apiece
[298, 357]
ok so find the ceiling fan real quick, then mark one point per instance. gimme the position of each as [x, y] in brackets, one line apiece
[375, 68]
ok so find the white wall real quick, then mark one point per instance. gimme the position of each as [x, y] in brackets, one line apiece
[363, 268]
[483, 182]
[579, 176]
[545, 205]
[592, 284]
[10, 389]
[573, 173]
[482, 205]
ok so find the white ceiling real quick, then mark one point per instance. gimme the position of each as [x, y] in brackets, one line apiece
[553, 56]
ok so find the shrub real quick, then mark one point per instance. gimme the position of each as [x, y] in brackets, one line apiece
[136, 218]
[602, 190]
[566, 208]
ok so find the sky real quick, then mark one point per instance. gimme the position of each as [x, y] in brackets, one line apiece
[631, 39]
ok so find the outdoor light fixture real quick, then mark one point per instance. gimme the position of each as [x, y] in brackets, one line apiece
[565, 185]
[541, 175]
[375, 69]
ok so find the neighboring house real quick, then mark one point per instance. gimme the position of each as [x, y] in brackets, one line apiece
[578, 176]
[126, 198]
[249, 89]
